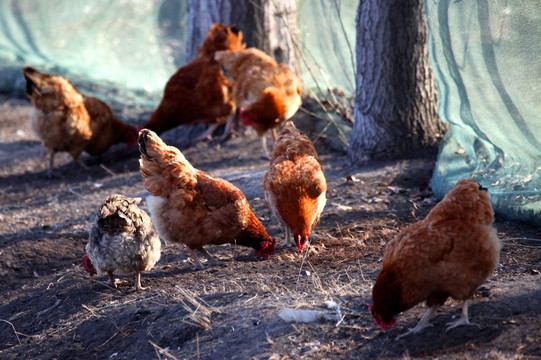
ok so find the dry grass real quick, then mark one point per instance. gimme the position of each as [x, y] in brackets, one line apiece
[199, 312]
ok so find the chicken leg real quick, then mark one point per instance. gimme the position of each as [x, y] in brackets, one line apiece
[207, 135]
[198, 264]
[211, 259]
[264, 150]
[51, 164]
[112, 280]
[423, 323]
[463, 320]
[138, 282]
[203, 252]
[230, 128]
[289, 237]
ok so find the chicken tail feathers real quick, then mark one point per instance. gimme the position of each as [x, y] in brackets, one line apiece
[163, 167]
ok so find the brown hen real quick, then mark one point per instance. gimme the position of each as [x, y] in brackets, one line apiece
[295, 186]
[198, 92]
[266, 92]
[194, 208]
[448, 254]
[66, 120]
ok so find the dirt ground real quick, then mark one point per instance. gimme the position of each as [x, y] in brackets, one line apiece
[51, 309]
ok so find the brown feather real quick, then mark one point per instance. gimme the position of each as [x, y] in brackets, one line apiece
[267, 90]
[66, 120]
[450, 253]
[192, 207]
[295, 185]
[199, 92]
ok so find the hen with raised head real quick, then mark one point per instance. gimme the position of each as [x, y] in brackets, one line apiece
[194, 208]
[450, 253]
[66, 120]
[295, 186]
[266, 92]
[122, 241]
[199, 92]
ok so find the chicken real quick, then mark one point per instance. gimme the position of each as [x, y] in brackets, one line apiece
[122, 241]
[66, 120]
[194, 208]
[450, 253]
[266, 92]
[198, 92]
[295, 185]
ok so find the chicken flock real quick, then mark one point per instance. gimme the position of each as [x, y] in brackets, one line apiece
[428, 261]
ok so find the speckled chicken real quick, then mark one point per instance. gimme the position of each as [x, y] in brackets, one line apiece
[295, 186]
[66, 120]
[122, 241]
[194, 208]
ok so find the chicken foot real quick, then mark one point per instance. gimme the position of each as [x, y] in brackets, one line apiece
[112, 281]
[198, 264]
[423, 323]
[463, 320]
[138, 282]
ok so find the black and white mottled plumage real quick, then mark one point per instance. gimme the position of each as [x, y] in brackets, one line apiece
[122, 241]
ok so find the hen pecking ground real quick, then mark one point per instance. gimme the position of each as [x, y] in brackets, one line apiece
[51, 309]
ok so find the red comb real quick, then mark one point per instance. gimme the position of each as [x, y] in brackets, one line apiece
[266, 249]
[379, 320]
[87, 264]
[246, 118]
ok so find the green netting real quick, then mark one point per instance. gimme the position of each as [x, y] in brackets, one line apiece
[327, 31]
[124, 51]
[485, 55]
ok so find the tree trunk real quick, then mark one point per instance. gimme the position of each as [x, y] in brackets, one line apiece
[271, 26]
[276, 31]
[395, 107]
